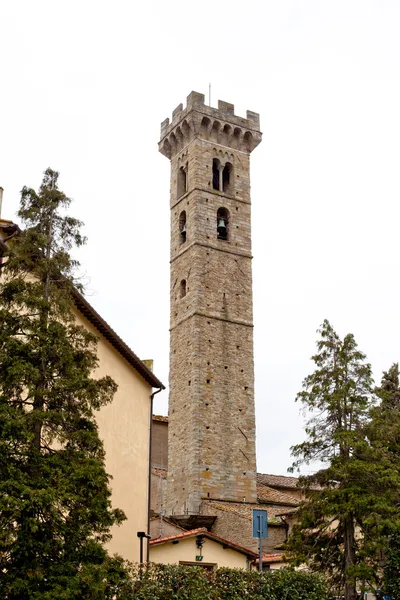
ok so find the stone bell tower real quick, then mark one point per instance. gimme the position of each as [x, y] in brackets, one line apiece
[211, 439]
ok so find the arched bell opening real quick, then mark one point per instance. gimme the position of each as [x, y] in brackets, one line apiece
[182, 227]
[223, 224]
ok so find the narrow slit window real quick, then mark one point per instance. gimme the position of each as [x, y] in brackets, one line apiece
[183, 288]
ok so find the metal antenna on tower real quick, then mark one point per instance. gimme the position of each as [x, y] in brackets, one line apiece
[209, 94]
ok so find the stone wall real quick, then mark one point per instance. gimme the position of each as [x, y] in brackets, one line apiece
[159, 443]
[234, 522]
[211, 405]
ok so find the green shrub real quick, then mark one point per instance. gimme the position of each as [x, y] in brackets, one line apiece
[173, 582]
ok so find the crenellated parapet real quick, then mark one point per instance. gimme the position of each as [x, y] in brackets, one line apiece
[219, 125]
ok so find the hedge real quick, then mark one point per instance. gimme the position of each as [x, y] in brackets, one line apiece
[171, 582]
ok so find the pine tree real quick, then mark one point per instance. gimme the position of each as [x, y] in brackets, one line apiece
[55, 508]
[353, 496]
[385, 436]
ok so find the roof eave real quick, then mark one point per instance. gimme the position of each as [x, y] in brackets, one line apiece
[104, 328]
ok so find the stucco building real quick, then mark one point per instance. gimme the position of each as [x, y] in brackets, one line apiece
[124, 424]
[200, 547]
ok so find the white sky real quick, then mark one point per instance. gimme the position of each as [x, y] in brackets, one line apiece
[84, 88]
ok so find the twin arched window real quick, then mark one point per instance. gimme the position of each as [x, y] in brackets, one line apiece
[221, 176]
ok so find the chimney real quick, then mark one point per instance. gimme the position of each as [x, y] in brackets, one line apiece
[1, 199]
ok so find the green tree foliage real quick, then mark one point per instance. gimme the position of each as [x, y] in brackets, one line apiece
[385, 436]
[55, 510]
[353, 497]
[164, 582]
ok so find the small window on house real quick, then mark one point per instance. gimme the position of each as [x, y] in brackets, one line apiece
[182, 226]
[183, 288]
[215, 173]
[223, 224]
[182, 181]
[227, 177]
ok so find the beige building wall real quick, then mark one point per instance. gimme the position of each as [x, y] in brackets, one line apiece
[186, 551]
[124, 429]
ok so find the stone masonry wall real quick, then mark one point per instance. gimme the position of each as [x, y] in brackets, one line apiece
[211, 436]
[237, 528]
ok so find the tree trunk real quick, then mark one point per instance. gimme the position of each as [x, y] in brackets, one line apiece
[350, 592]
[38, 403]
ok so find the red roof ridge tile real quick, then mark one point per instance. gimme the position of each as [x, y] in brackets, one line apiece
[274, 557]
[209, 535]
[160, 418]
[178, 536]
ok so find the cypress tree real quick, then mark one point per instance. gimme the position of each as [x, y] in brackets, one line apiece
[353, 497]
[55, 508]
[385, 436]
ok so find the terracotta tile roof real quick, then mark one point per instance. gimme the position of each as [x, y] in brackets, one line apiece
[238, 509]
[160, 418]
[268, 494]
[282, 481]
[288, 513]
[207, 534]
[166, 520]
[277, 480]
[245, 509]
[104, 328]
[159, 472]
[271, 558]
[178, 536]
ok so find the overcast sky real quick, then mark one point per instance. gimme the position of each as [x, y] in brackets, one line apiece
[84, 88]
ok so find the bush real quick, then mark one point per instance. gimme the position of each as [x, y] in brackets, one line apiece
[172, 582]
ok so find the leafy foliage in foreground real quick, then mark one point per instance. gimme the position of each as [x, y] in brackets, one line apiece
[166, 582]
[342, 529]
[55, 509]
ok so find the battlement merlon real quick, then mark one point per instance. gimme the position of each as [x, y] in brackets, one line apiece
[219, 125]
